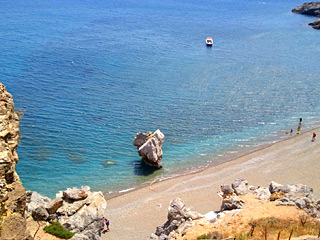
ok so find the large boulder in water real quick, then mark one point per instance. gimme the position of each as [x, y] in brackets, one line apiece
[150, 147]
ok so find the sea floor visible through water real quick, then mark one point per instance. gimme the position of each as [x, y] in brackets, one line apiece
[88, 77]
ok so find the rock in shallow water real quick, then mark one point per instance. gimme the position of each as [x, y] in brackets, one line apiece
[150, 147]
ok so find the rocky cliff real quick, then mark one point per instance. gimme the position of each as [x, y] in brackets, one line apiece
[311, 9]
[12, 193]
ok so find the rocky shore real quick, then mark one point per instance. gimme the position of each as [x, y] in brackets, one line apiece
[79, 211]
[182, 222]
[311, 9]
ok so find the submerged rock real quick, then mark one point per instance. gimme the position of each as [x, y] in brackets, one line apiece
[150, 147]
[108, 163]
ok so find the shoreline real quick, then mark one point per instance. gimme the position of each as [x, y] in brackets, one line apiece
[227, 158]
[136, 214]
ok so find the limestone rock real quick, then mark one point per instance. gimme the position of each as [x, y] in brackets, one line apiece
[226, 189]
[232, 203]
[151, 149]
[35, 200]
[75, 194]
[14, 228]
[301, 190]
[40, 214]
[69, 209]
[12, 194]
[179, 218]
[300, 203]
[240, 186]
[276, 187]
[141, 138]
[80, 237]
[178, 211]
[53, 205]
[262, 193]
[89, 219]
[78, 210]
[154, 236]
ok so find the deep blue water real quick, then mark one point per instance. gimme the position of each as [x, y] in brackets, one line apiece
[88, 75]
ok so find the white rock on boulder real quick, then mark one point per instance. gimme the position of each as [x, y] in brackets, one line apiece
[75, 194]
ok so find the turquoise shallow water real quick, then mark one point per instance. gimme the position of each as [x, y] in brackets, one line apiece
[89, 75]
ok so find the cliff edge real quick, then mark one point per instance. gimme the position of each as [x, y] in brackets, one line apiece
[12, 193]
[311, 9]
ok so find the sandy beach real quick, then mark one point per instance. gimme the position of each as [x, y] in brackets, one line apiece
[135, 215]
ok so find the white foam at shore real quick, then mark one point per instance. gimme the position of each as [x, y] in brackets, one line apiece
[126, 190]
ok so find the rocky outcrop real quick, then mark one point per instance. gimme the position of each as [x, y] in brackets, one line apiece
[312, 9]
[179, 219]
[12, 193]
[316, 24]
[240, 186]
[78, 210]
[231, 203]
[150, 147]
[298, 195]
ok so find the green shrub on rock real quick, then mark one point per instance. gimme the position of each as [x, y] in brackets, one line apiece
[57, 230]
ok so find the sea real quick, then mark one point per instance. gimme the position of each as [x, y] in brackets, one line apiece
[88, 75]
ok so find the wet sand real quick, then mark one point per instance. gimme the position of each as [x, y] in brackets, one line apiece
[135, 215]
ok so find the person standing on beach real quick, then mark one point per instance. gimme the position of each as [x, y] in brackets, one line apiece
[299, 128]
[314, 136]
[291, 131]
[107, 223]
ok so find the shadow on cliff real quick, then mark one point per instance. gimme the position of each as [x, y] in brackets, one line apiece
[142, 169]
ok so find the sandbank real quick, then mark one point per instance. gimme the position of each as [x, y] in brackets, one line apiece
[136, 214]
